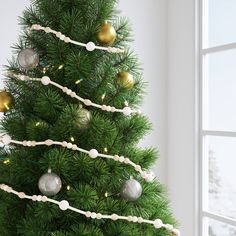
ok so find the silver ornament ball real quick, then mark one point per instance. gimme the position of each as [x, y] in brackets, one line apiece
[131, 190]
[50, 184]
[28, 58]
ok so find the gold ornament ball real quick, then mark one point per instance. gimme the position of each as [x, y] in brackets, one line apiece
[6, 101]
[125, 80]
[106, 34]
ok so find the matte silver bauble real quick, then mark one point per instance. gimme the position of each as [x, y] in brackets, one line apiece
[50, 184]
[28, 58]
[84, 118]
[131, 190]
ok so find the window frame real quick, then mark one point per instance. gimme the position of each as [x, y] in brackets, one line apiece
[202, 132]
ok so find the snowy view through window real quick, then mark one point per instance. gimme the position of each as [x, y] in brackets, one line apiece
[220, 115]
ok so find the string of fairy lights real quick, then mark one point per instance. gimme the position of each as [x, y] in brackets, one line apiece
[90, 46]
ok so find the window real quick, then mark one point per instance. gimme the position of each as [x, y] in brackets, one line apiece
[218, 117]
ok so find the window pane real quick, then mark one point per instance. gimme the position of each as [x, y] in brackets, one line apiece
[221, 90]
[216, 228]
[222, 175]
[222, 19]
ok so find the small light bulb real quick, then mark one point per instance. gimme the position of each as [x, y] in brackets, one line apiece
[44, 70]
[6, 162]
[72, 139]
[60, 67]
[106, 194]
[78, 81]
[126, 104]
[103, 96]
[68, 187]
[105, 149]
[37, 124]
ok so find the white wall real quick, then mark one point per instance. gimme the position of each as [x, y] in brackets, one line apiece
[181, 112]
[9, 12]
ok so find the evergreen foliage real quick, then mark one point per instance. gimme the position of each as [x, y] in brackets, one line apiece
[42, 113]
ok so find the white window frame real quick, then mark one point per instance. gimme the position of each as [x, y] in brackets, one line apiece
[203, 51]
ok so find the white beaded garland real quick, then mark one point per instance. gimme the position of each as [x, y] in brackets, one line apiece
[158, 223]
[140, 220]
[34, 198]
[45, 80]
[47, 30]
[138, 168]
[39, 198]
[127, 111]
[93, 215]
[116, 158]
[21, 195]
[64, 205]
[69, 145]
[150, 177]
[90, 46]
[49, 142]
[130, 218]
[114, 217]
[62, 37]
[58, 34]
[64, 144]
[88, 214]
[67, 40]
[6, 139]
[176, 232]
[44, 199]
[93, 153]
[169, 227]
[87, 102]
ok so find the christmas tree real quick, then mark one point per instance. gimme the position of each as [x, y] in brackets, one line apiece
[70, 161]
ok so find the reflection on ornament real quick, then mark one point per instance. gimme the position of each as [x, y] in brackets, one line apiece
[6, 101]
[106, 34]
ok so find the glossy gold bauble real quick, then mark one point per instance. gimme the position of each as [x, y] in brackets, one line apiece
[125, 80]
[6, 101]
[106, 34]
